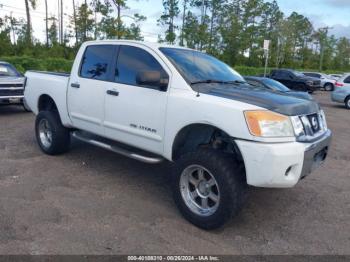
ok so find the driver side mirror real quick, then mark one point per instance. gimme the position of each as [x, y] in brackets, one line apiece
[152, 79]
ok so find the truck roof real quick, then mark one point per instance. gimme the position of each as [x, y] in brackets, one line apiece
[145, 43]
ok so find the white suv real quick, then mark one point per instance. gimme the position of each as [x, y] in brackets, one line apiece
[327, 82]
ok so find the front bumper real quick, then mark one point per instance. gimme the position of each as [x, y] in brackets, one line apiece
[11, 100]
[338, 96]
[282, 165]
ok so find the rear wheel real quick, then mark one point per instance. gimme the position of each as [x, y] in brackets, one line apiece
[209, 187]
[347, 102]
[53, 138]
[328, 87]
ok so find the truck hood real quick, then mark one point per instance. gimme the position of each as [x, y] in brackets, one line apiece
[11, 80]
[280, 103]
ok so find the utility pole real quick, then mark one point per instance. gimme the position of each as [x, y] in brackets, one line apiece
[75, 24]
[183, 23]
[59, 21]
[12, 28]
[61, 30]
[323, 33]
[46, 25]
[266, 51]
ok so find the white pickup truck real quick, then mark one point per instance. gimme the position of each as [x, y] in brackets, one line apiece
[154, 102]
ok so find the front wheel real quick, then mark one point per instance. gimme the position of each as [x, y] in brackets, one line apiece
[209, 187]
[53, 138]
[347, 102]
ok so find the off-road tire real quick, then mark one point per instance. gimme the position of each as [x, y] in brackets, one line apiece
[230, 176]
[60, 135]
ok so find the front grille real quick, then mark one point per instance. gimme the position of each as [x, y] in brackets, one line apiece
[9, 92]
[314, 125]
[11, 85]
[314, 122]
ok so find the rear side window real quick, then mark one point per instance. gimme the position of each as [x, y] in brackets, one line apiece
[96, 62]
[282, 74]
[347, 80]
[131, 61]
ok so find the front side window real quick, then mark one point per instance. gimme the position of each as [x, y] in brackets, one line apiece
[97, 61]
[132, 61]
[196, 66]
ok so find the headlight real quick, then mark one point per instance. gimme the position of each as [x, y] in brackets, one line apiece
[268, 124]
[309, 83]
[298, 126]
[323, 117]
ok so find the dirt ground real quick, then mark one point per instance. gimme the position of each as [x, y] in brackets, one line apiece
[91, 201]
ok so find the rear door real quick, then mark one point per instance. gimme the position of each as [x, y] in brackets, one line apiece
[86, 90]
[134, 113]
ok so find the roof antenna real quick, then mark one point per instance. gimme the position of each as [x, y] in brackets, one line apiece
[198, 95]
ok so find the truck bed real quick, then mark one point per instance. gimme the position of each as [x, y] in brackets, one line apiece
[52, 85]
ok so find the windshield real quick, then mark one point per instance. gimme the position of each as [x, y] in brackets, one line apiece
[275, 85]
[196, 67]
[8, 70]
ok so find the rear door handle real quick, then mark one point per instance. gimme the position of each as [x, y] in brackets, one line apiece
[112, 93]
[75, 85]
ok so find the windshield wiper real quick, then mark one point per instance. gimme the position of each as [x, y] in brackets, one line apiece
[210, 81]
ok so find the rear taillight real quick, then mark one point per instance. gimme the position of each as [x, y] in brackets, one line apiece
[338, 84]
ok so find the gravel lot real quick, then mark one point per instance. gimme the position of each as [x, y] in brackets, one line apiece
[90, 201]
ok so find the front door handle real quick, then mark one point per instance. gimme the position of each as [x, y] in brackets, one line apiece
[75, 85]
[112, 93]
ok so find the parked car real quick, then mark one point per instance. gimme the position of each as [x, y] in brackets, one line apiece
[295, 80]
[341, 94]
[11, 86]
[327, 82]
[335, 76]
[153, 102]
[276, 86]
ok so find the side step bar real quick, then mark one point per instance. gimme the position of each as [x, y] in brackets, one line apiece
[117, 149]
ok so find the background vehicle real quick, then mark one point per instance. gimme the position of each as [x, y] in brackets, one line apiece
[275, 86]
[154, 102]
[11, 86]
[335, 76]
[295, 80]
[327, 82]
[341, 94]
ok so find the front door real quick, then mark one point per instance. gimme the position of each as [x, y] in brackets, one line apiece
[135, 113]
[86, 90]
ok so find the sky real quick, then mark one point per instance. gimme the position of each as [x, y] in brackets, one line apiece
[333, 13]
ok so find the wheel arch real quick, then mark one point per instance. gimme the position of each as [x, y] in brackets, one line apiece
[46, 102]
[195, 135]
